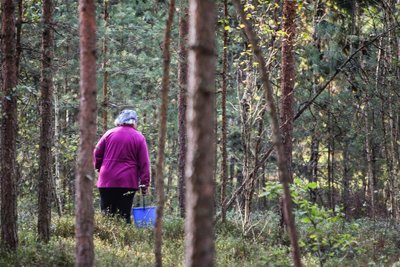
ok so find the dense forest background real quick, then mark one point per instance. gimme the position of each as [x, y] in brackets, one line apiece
[345, 136]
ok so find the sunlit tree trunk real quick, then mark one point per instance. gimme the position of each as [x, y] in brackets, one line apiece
[162, 135]
[288, 78]
[283, 170]
[8, 175]
[46, 129]
[87, 122]
[57, 155]
[182, 77]
[199, 171]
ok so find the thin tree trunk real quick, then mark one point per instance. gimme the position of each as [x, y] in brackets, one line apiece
[105, 66]
[57, 164]
[19, 33]
[246, 142]
[200, 161]
[224, 177]
[87, 121]
[346, 179]
[162, 136]
[284, 173]
[313, 163]
[8, 175]
[314, 150]
[46, 129]
[287, 79]
[182, 77]
[369, 156]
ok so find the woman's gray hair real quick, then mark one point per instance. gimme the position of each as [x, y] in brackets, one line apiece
[126, 117]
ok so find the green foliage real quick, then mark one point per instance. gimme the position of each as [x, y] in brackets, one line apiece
[321, 230]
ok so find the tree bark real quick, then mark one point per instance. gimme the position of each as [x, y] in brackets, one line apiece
[105, 66]
[224, 177]
[162, 136]
[182, 77]
[87, 122]
[46, 129]
[288, 78]
[284, 173]
[60, 197]
[200, 161]
[8, 175]
[370, 156]
[19, 33]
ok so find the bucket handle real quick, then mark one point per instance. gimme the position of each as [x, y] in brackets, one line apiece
[143, 196]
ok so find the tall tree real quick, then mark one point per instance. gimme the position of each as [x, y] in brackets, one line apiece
[87, 121]
[19, 33]
[8, 175]
[224, 177]
[182, 77]
[106, 16]
[162, 136]
[283, 170]
[200, 161]
[315, 139]
[288, 78]
[46, 129]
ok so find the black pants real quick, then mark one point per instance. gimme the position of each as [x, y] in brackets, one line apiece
[117, 201]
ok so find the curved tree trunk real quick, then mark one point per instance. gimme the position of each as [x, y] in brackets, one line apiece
[284, 173]
[8, 175]
[162, 136]
[46, 129]
[200, 161]
[87, 121]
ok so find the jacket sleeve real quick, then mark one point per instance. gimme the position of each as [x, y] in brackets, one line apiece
[98, 153]
[144, 163]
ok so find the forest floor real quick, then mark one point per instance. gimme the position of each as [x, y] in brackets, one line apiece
[362, 242]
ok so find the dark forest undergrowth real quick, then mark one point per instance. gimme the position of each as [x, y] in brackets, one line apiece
[362, 242]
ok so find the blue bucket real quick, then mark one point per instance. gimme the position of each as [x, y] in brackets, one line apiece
[144, 217]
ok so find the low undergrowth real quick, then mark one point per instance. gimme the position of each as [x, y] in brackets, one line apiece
[373, 243]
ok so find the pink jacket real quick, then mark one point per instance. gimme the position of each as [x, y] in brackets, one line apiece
[122, 158]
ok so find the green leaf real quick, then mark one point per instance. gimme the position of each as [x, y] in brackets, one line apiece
[312, 185]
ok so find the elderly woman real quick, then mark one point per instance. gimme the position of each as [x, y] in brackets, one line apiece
[122, 159]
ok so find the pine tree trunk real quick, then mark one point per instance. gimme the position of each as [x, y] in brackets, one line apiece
[163, 132]
[105, 66]
[224, 163]
[288, 78]
[19, 33]
[8, 175]
[199, 171]
[284, 173]
[182, 77]
[87, 121]
[46, 129]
